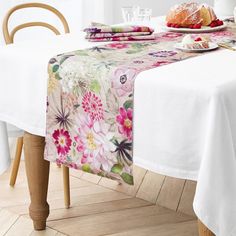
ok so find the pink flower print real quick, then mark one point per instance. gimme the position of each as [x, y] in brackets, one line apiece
[161, 63]
[93, 141]
[73, 165]
[142, 29]
[171, 35]
[222, 33]
[123, 79]
[118, 45]
[92, 104]
[125, 121]
[62, 141]
[163, 53]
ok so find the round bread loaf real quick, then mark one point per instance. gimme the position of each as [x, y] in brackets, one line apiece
[191, 13]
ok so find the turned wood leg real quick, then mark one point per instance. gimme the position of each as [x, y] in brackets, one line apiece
[16, 162]
[203, 230]
[37, 170]
[66, 182]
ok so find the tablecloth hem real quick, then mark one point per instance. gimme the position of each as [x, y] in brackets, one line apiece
[165, 170]
[23, 126]
[204, 218]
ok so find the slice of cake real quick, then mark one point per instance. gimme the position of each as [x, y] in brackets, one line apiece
[192, 15]
[195, 42]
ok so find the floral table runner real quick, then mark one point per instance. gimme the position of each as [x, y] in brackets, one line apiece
[90, 101]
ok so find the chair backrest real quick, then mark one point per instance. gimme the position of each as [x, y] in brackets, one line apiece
[9, 36]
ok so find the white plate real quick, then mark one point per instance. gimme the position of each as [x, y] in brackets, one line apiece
[212, 46]
[204, 29]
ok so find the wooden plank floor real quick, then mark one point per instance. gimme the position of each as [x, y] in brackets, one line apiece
[102, 207]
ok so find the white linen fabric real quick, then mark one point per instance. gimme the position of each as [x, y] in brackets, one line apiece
[185, 127]
[184, 118]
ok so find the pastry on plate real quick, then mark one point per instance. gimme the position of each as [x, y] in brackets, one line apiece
[192, 15]
[195, 42]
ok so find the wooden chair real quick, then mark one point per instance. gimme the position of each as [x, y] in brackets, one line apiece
[9, 38]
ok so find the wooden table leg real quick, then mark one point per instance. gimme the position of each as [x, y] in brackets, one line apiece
[203, 230]
[37, 170]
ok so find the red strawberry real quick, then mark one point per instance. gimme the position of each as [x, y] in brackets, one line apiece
[213, 24]
[169, 24]
[198, 39]
[197, 26]
[220, 22]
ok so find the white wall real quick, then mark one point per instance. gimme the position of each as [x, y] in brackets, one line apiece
[74, 19]
[79, 13]
[160, 7]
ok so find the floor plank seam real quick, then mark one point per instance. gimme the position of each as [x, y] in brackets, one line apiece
[99, 182]
[181, 195]
[71, 217]
[141, 183]
[58, 231]
[12, 225]
[162, 184]
[143, 227]
[94, 214]
[86, 181]
[71, 175]
[63, 208]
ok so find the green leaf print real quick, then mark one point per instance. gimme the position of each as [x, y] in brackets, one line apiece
[117, 168]
[95, 86]
[55, 68]
[117, 30]
[81, 53]
[128, 104]
[57, 76]
[86, 168]
[127, 178]
[132, 51]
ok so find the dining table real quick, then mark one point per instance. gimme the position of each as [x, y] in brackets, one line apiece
[184, 121]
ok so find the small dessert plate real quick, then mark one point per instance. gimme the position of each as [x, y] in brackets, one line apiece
[212, 46]
[204, 29]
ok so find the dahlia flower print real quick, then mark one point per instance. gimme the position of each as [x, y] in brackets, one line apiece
[62, 141]
[163, 54]
[118, 45]
[124, 120]
[94, 143]
[122, 80]
[92, 105]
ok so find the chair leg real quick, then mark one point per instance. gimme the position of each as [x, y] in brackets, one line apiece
[16, 162]
[66, 182]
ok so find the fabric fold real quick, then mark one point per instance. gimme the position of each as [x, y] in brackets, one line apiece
[118, 29]
[123, 38]
[110, 35]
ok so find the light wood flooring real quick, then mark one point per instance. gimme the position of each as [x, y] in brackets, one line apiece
[102, 207]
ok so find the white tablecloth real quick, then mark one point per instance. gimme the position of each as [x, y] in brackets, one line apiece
[184, 118]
